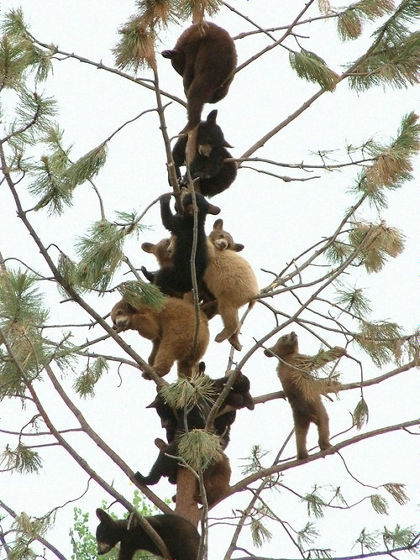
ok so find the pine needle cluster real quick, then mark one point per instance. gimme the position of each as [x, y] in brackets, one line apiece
[350, 21]
[84, 385]
[259, 531]
[394, 56]
[22, 316]
[187, 393]
[313, 68]
[138, 293]
[22, 459]
[199, 448]
[379, 339]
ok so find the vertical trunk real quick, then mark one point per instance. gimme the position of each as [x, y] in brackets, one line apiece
[186, 502]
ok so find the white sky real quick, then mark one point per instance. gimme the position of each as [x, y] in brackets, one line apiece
[273, 219]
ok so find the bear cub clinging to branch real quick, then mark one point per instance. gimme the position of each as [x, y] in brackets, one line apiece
[175, 278]
[208, 159]
[303, 392]
[179, 535]
[205, 56]
[171, 329]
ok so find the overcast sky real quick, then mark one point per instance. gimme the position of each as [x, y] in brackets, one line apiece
[275, 220]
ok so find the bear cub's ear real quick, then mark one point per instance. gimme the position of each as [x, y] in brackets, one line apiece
[103, 516]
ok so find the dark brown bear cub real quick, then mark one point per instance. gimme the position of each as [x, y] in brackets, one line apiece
[303, 393]
[205, 56]
[179, 535]
[208, 163]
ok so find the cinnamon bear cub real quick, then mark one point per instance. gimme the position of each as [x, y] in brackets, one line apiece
[179, 535]
[171, 329]
[175, 278]
[205, 56]
[216, 476]
[208, 163]
[303, 393]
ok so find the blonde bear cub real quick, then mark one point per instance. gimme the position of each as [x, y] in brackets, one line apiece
[231, 280]
[303, 394]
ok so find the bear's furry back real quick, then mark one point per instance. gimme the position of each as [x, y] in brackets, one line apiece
[230, 276]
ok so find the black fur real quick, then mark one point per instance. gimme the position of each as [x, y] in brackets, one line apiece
[208, 165]
[176, 278]
[179, 535]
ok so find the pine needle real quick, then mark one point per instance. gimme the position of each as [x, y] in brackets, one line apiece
[136, 48]
[199, 449]
[361, 414]
[87, 166]
[138, 293]
[313, 68]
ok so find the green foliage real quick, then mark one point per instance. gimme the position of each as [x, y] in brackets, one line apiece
[155, 13]
[375, 243]
[393, 57]
[199, 449]
[350, 21]
[380, 340]
[254, 461]
[141, 293]
[22, 459]
[353, 299]
[307, 535]
[194, 9]
[136, 48]
[21, 317]
[100, 254]
[259, 532]
[361, 414]
[314, 503]
[85, 383]
[379, 504]
[89, 165]
[313, 68]
[367, 541]
[186, 393]
[399, 537]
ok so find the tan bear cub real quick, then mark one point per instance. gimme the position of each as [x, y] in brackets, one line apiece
[171, 328]
[231, 280]
[303, 393]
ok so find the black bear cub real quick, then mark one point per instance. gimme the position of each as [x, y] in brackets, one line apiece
[179, 535]
[205, 56]
[175, 279]
[208, 164]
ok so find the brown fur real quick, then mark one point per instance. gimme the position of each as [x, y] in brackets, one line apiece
[205, 56]
[171, 329]
[216, 477]
[162, 251]
[304, 398]
[231, 280]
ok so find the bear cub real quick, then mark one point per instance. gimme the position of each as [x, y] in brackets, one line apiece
[303, 394]
[179, 535]
[208, 163]
[205, 56]
[175, 278]
[171, 329]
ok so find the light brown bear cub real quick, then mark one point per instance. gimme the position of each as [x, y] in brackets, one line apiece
[231, 280]
[171, 328]
[302, 391]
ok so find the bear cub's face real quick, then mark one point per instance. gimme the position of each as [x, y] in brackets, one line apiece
[107, 532]
[287, 344]
[210, 135]
[121, 316]
[222, 239]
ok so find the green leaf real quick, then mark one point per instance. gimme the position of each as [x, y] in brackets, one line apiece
[378, 339]
[136, 48]
[350, 21]
[353, 299]
[259, 532]
[397, 491]
[315, 504]
[199, 449]
[85, 383]
[22, 459]
[313, 68]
